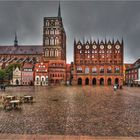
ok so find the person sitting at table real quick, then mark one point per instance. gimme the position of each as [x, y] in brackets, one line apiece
[6, 104]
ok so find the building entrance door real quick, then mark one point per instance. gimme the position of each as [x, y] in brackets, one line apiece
[79, 81]
[109, 81]
[101, 81]
[94, 81]
[116, 81]
[87, 81]
[17, 82]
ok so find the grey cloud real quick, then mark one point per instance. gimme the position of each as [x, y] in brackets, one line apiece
[96, 19]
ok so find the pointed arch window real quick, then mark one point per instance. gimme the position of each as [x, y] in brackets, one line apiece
[46, 53]
[52, 31]
[52, 52]
[56, 52]
[57, 31]
[56, 22]
[47, 31]
[47, 41]
[52, 41]
[56, 41]
[47, 23]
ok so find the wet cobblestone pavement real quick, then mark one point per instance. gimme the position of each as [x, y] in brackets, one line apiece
[97, 111]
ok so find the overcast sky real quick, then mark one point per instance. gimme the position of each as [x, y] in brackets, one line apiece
[99, 20]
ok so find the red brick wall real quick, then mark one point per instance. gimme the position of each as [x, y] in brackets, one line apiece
[99, 55]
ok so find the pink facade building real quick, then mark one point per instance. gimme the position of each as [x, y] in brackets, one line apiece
[27, 74]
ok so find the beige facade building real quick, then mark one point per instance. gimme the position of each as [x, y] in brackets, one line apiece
[16, 77]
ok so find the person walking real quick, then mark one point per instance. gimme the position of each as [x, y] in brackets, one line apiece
[115, 87]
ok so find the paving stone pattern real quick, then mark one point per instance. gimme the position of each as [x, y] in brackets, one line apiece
[74, 110]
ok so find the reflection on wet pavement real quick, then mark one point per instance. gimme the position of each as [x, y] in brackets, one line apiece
[74, 110]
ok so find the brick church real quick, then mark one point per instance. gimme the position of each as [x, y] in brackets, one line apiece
[95, 62]
[54, 48]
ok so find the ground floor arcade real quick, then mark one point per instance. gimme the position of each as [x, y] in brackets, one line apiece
[99, 80]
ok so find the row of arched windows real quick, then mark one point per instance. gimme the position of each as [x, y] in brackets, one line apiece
[101, 70]
[52, 41]
[94, 81]
[101, 51]
[52, 31]
[52, 22]
[57, 75]
[41, 78]
[51, 53]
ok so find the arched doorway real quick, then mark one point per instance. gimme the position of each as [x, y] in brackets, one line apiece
[109, 81]
[94, 81]
[101, 81]
[116, 81]
[31, 83]
[17, 82]
[87, 81]
[79, 81]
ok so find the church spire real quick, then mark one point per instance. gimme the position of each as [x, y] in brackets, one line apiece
[15, 41]
[122, 40]
[59, 10]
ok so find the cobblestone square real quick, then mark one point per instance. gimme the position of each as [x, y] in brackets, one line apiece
[74, 110]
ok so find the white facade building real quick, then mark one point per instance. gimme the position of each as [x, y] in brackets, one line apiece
[16, 77]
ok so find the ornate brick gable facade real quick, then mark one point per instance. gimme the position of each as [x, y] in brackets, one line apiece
[57, 72]
[41, 74]
[98, 63]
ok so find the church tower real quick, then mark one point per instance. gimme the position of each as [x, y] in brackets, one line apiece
[54, 38]
[15, 41]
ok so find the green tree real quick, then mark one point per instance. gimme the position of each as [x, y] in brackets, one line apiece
[9, 70]
[2, 76]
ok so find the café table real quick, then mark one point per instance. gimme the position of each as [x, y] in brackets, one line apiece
[28, 99]
[10, 97]
[15, 104]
